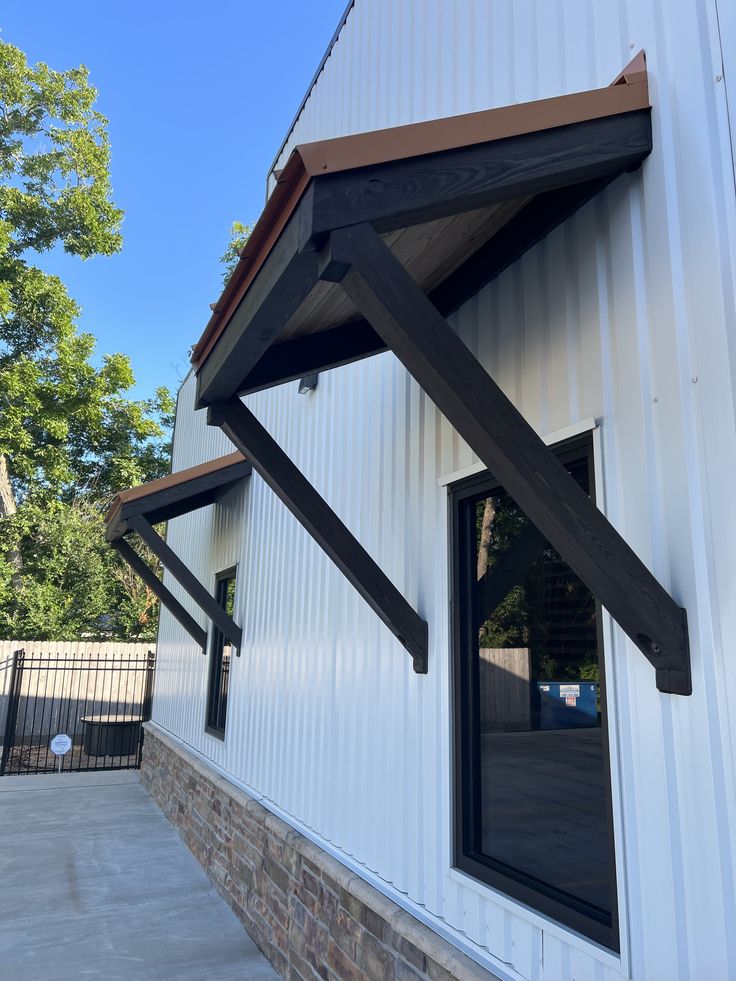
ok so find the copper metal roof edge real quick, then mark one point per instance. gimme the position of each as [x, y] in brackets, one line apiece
[628, 91]
[453, 132]
[272, 219]
[171, 480]
[635, 71]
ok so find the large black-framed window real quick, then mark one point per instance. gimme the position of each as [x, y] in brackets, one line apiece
[532, 788]
[221, 651]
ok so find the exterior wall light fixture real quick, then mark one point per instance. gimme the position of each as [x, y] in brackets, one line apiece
[308, 383]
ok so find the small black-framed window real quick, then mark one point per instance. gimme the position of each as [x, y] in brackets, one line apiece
[532, 786]
[221, 651]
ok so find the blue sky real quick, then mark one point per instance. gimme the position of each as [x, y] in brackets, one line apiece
[199, 97]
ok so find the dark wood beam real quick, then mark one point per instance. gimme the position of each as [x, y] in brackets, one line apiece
[492, 426]
[283, 282]
[325, 349]
[331, 348]
[420, 189]
[528, 227]
[189, 582]
[310, 509]
[167, 598]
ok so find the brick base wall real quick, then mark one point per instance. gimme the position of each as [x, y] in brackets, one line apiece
[313, 918]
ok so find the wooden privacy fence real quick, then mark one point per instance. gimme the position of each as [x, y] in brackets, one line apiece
[53, 686]
[505, 689]
[83, 648]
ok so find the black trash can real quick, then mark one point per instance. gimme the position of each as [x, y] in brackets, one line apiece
[111, 735]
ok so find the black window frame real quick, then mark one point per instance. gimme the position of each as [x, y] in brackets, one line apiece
[466, 805]
[216, 642]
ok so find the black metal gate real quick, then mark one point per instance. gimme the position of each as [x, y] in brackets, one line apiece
[100, 702]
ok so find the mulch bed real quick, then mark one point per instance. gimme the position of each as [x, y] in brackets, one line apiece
[40, 759]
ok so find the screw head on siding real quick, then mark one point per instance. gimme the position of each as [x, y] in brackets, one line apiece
[694, 379]
[655, 399]
[719, 77]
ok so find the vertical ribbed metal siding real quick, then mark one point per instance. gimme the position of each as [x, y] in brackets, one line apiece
[208, 541]
[612, 316]
[399, 62]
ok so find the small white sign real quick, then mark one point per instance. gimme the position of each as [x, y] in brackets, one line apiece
[61, 744]
[569, 691]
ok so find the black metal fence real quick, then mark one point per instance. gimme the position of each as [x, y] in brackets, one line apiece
[100, 702]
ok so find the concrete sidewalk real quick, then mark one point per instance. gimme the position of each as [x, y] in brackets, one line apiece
[95, 883]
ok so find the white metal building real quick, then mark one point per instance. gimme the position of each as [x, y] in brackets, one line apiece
[618, 326]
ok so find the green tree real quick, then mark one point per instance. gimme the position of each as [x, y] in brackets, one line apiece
[71, 584]
[61, 420]
[70, 436]
[239, 235]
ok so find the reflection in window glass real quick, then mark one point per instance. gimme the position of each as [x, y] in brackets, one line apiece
[534, 789]
[220, 654]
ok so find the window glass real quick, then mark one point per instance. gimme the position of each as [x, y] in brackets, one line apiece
[220, 655]
[534, 787]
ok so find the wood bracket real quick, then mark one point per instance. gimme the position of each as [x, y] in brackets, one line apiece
[189, 582]
[167, 598]
[318, 518]
[412, 327]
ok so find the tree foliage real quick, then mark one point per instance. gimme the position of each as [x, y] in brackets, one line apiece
[72, 584]
[70, 435]
[239, 235]
[547, 608]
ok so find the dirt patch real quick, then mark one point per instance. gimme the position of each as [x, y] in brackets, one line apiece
[40, 759]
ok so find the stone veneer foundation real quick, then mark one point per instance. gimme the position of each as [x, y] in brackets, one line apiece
[313, 918]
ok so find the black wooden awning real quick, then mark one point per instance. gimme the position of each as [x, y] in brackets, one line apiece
[138, 509]
[456, 200]
[367, 243]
